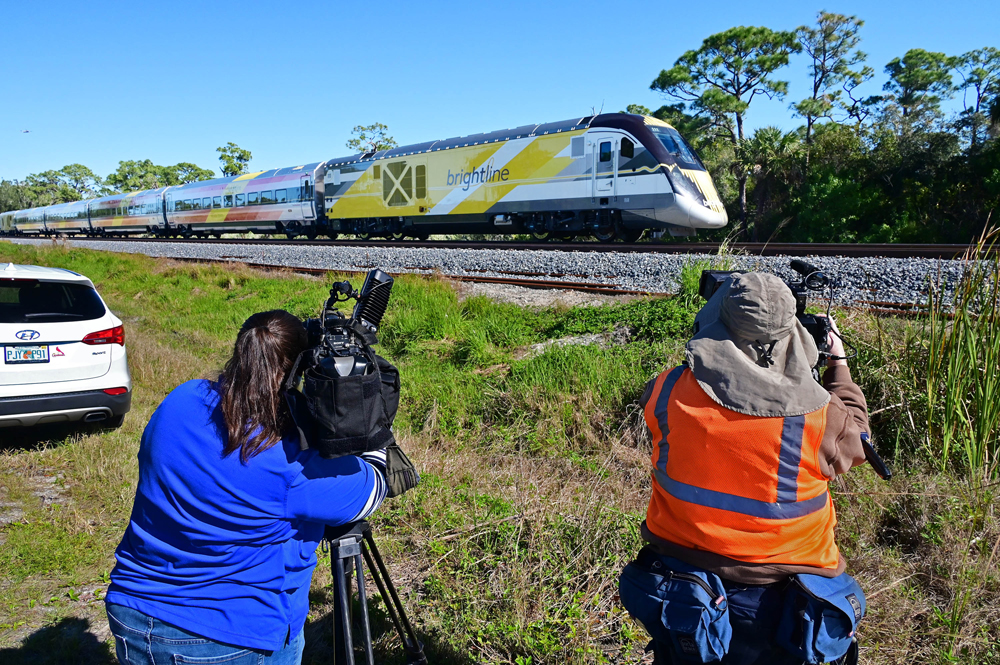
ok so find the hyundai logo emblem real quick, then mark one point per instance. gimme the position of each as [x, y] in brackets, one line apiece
[28, 335]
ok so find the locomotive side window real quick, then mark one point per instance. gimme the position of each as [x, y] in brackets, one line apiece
[628, 148]
[217, 202]
[377, 172]
[279, 195]
[605, 151]
[576, 146]
[240, 199]
[252, 198]
[227, 200]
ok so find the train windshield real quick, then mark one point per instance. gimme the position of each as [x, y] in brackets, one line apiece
[675, 144]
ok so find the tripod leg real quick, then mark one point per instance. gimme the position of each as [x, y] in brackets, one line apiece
[385, 595]
[363, 605]
[414, 648]
[343, 648]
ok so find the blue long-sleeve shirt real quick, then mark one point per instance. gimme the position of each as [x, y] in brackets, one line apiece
[226, 550]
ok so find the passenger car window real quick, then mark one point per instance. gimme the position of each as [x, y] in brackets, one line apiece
[252, 198]
[266, 197]
[605, 151]
[227, 200]
[240, 199]
[279, 195]
[217, 202]
[206, 202]
[31, 301]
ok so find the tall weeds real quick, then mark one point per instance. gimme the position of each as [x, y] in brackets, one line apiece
[963, 365]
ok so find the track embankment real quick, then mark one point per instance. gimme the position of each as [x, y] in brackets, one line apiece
[874, 281]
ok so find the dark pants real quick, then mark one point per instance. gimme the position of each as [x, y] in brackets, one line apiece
[754, 612]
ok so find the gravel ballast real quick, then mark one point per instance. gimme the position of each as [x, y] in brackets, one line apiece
[861, 279]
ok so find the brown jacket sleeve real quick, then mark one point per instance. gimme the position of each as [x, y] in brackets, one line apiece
[846, 419]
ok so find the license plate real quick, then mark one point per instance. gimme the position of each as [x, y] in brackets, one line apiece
[15, 355]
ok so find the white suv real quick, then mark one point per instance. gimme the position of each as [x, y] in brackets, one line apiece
[63, 350]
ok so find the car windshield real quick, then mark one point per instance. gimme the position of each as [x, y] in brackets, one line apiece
[675, 144]
[32, 301]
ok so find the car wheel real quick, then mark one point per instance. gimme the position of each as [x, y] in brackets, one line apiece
[113, 422]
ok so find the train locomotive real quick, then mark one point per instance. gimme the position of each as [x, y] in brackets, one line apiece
[613, 175]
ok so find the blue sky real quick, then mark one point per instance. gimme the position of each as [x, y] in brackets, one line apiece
[98, 82]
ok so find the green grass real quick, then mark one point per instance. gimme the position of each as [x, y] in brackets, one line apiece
[535, 475]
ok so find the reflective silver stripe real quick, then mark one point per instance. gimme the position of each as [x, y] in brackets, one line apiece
[786, 507]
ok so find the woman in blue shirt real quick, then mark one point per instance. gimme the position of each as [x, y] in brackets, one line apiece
[217, 559]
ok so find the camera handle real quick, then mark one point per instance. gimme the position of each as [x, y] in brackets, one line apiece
[876, 462]
[349, 545]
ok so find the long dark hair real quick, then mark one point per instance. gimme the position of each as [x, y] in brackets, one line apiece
[250, 385]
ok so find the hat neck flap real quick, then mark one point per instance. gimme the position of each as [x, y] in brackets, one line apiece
[738, 376]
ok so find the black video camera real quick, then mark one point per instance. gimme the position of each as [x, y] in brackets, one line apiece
[813, 279]
[342, 395]
[342, 345]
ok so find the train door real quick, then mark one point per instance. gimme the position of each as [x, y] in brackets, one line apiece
[168, 208]
[604, 162]
[308, 204]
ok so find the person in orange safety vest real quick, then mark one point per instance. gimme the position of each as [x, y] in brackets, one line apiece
[745, 441]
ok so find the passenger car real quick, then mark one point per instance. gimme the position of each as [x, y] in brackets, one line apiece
[64, 354]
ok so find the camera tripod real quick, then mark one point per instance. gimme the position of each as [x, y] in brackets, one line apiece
[350, 544]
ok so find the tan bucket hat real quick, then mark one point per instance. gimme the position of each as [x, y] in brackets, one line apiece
[749, 352]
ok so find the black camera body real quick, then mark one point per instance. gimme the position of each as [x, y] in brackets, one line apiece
[813, 279]
[342, 345]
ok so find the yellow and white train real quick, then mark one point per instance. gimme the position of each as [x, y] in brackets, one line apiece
[613, 175]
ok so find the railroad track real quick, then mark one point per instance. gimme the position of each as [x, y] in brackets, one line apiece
[570, 279]
[527, 280]
[884, 250]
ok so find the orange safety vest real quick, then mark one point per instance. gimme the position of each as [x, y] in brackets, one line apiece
[746, 487]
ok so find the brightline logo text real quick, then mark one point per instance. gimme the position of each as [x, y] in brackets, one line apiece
[485, 174]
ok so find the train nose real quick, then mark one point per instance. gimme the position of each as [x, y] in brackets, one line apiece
[685, 211]
[705, 217]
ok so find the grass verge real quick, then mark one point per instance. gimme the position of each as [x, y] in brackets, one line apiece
[535, 475]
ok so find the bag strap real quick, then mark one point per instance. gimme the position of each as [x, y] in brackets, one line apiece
[290, 381]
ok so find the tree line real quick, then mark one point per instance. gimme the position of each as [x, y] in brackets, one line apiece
[75, 182]
[893, 167]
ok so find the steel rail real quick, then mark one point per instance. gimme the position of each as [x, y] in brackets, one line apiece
[590, 287]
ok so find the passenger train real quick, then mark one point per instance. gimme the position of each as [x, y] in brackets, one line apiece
[613, 175]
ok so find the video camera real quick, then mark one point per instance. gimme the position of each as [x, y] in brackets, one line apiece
[343, 396]
[819, 327]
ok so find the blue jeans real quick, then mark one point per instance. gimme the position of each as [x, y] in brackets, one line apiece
[754, 612]
[142, 640]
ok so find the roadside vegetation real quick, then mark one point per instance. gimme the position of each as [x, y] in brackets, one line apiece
[534, 464]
